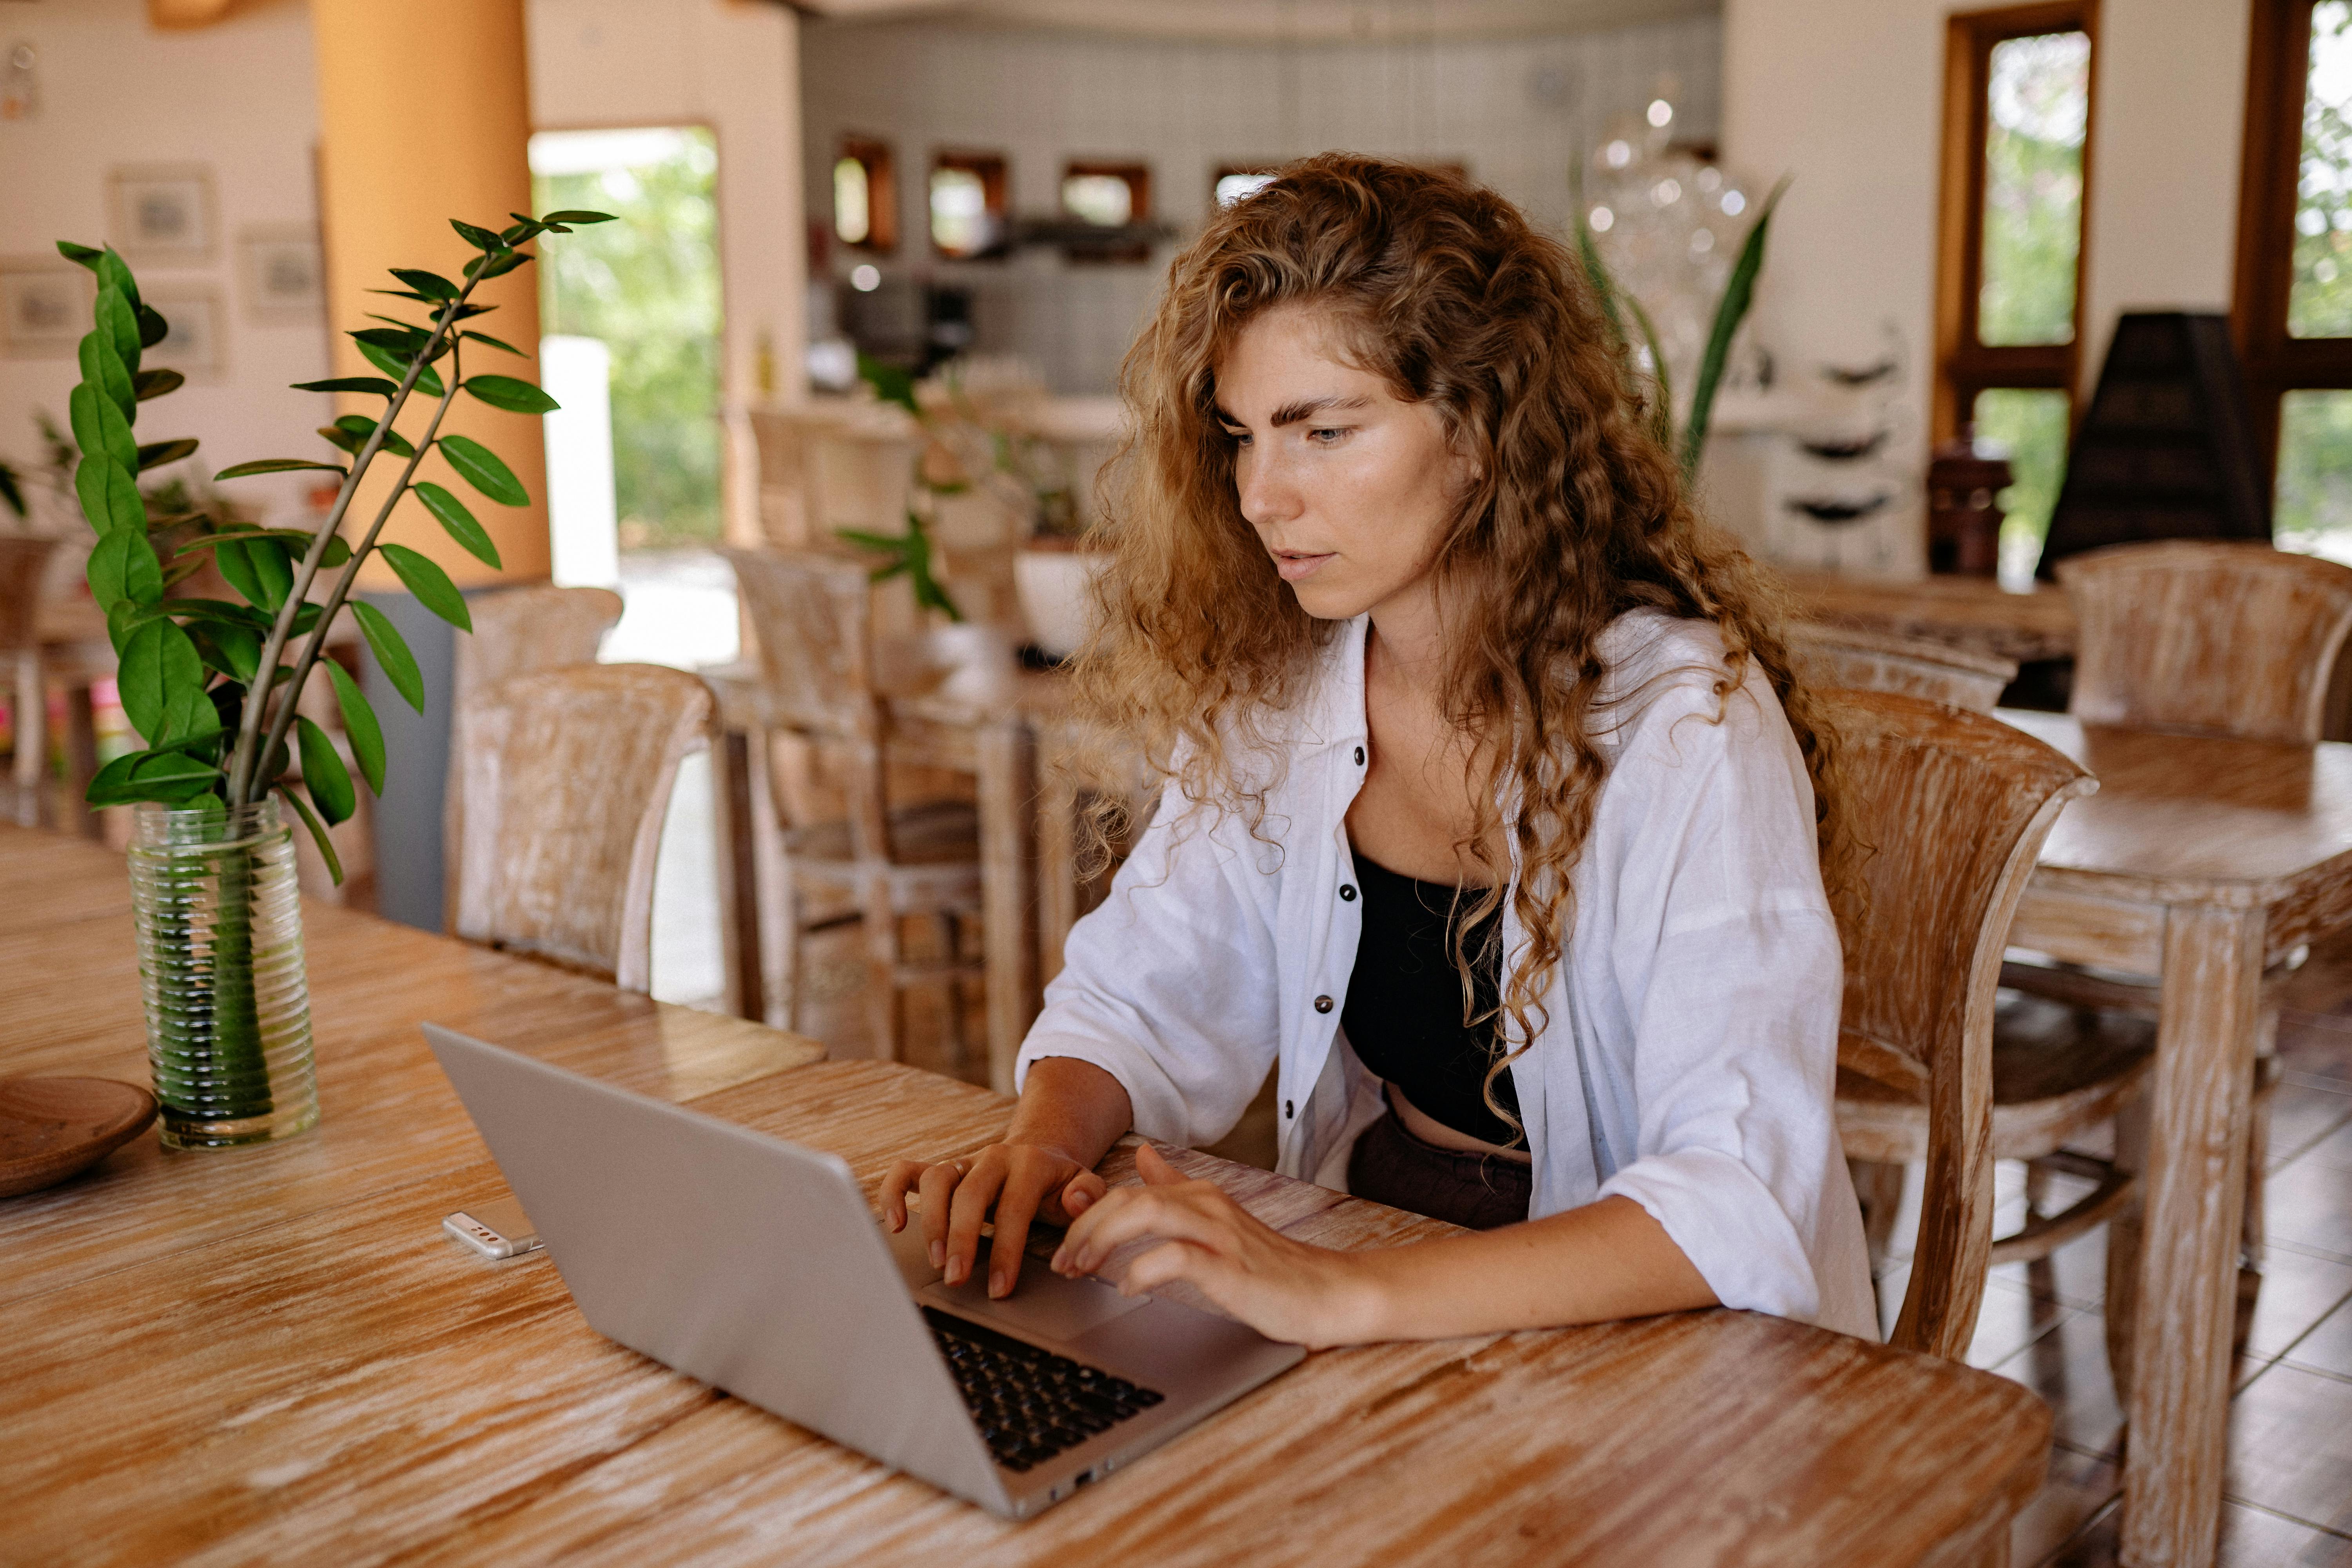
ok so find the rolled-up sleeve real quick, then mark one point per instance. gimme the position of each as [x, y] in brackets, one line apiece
[1727, 962]
[1169, 986]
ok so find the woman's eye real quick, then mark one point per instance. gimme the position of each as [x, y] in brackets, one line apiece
[1327, 438]
[1238, 437]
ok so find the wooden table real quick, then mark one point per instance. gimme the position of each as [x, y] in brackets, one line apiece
[2203, 861]
[1974, 613]
[274, 1354]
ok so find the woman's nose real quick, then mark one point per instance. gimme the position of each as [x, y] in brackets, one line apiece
[1266, 493]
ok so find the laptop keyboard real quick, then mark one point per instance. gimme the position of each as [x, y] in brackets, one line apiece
[1031, 1403]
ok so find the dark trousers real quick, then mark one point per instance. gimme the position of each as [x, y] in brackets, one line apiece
[1478, 1192]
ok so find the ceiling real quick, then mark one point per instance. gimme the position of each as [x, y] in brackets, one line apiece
[1258, 21]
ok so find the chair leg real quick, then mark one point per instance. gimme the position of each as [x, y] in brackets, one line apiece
[958, 1051]
[1879, 1187]
[2124, 1243]
[883, 1010]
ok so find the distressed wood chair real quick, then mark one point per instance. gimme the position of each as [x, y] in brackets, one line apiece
[1077, 769]
[23, 558]
[2194, 636]
[566, 777]
[811, 614]
[516, 631]
[1949, 810]
[1863, 660]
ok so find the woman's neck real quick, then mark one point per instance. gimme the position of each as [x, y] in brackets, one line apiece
[1407, 648]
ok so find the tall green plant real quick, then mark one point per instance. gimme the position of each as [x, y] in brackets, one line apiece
[208, 683]
[1731, 309]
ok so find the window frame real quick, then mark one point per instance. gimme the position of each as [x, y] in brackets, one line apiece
[2275, 362]
[880, 164]
[1965, 365]
[1137, 175]
[995, 172]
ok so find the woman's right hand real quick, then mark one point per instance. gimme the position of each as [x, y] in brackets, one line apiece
[1018, 1182]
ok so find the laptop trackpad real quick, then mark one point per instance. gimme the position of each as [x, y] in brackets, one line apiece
[1042, 1303]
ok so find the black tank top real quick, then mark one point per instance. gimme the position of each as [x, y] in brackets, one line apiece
[1403, 1015]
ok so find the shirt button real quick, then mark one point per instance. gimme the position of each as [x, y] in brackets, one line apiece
[1322, 1004]
[1360, 756]
[1287, 1113]
[1348, 892]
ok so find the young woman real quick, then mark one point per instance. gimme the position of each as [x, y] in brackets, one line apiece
[1491, 823]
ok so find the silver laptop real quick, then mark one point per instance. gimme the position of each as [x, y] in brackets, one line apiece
[756, 1266]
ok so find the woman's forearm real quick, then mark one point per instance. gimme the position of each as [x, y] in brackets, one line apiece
[1606, 1261]
[1071, 1106]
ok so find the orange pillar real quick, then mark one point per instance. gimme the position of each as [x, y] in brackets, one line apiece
[423, 116]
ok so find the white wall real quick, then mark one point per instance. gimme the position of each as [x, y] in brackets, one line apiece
[239, 97]
[1515, 111]
[1847, 95]
[734, 67]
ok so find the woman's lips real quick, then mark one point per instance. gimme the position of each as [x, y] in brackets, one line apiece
[1296, 568]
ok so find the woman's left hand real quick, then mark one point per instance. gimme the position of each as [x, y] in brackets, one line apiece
[1285, 1290]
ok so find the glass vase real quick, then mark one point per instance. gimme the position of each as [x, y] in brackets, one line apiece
[220, 962]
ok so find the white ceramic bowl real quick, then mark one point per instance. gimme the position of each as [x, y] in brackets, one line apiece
[1057, 600]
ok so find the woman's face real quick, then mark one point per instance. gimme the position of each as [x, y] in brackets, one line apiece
[1349, 488]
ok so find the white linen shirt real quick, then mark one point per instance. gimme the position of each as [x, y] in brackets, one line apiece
[1688, 1055]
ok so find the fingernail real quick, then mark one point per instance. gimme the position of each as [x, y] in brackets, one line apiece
[1060, 1259]
[1078, 1203]
[996, 1284]
[939, 1254]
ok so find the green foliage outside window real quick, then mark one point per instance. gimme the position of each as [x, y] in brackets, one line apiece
[648, 285]
[2039, 104]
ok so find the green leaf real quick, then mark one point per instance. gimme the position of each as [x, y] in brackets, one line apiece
[161, 671]
[98, 426]
[1662, 405]
[171, 776]
[470, 310]
[522, 229]
[274, 465]
[459, 523]
[100, 364]
[427, 283]
[391, 655]
[351, 431]
[123, 566]
[323, 774]
[360, 727]
[110, 496]
[480, 467]
[115, 273]
[238, 567]
[399, 337]
[12, 493]
[493, 343]
[376, 385]
[1739, 294]
[125, 616]
[296, 540]
[497, 266]
[119, 319]
[514, 395]
[480, 238]
[156, 453]
[429, 583]
[273, 569]
[428, 380]
[239, 648]
[571, 215]
[155, 383]
[79, 255]
[317, 832]
[152, 328]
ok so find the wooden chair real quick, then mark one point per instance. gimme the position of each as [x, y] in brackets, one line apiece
[1862, 660]
[516, 631]
[811, 616]
[2199, 636]
[23, 559]
[1072, 765]
[566, 778]
[1949, 809]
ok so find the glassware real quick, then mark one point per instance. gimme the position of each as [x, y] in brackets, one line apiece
[220, 962]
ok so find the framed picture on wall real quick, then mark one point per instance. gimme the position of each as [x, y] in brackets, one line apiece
[197, 344]
[280, 274]
[162, 213]
[45, 307]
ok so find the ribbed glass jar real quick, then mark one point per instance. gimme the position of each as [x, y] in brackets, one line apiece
[220, 962]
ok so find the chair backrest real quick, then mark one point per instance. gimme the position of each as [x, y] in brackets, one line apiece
[2206, 638]
[1949, 810]
[517, 631]
[566, 776]
[1862, 660]
[821, 469]
[23, 559]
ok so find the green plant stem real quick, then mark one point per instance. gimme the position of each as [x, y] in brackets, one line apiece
[248, 757]
[342, 589]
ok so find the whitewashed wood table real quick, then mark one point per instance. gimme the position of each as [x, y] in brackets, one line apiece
[2201, 861]
[275, 1355]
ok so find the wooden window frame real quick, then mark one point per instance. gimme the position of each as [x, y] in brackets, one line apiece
[994, 170]
[2278, 68]
[1964, 365]
[1137, 175]
[881, 195]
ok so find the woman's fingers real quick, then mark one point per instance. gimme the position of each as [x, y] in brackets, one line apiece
[901, 1177]
[1032, 1178]
[1154, 1168]
[974, 1195]
[935, 1187]
[1084, 1190]
[1196, 1211]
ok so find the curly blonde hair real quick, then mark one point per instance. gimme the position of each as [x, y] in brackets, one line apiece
[1575, 516]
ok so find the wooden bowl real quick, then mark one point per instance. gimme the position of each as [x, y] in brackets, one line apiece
[53, 1127]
